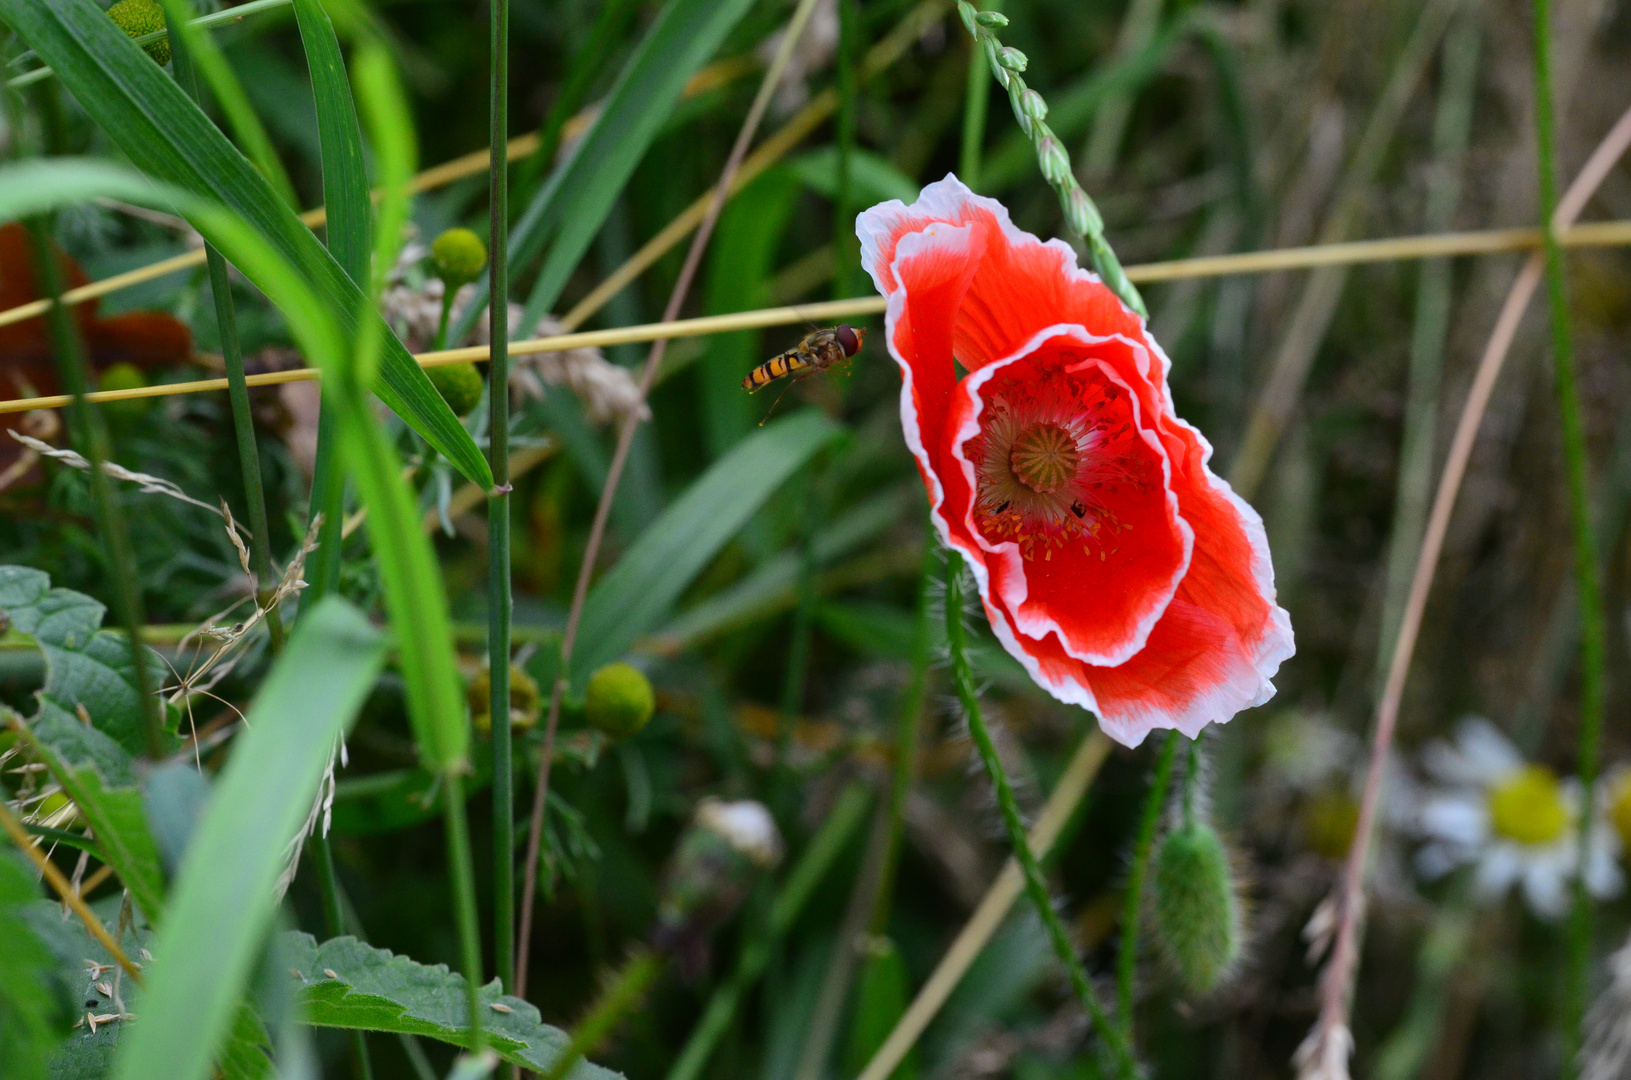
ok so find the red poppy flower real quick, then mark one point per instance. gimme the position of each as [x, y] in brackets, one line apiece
[1114, 565]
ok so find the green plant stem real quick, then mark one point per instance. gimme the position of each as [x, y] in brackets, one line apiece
[328, 500]
[1035, 886]
[500, 599]
[819, 854]
[621, 994]
[322, 857]
[975, 107]
[243, 420]
[1132, 903]
[91, 435]
[464, 897]
[1192, 781]
[1587, 576]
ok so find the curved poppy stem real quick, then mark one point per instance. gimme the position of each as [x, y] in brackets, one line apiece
[1132, 903]
[1035, 885]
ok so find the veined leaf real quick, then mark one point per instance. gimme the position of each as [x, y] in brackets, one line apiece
[348, 984]
[29, 1011]
[223, 898]
[345, 172]
[570, 208]
[639, 590]
[166, 135]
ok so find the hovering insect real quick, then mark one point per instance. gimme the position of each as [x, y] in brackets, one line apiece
[821, 350]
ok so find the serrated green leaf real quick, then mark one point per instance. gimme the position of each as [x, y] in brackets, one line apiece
[570, 208]
[166, 135]
[224, 896]
[349, 984]
[674, 549]
[98, 774]
[30, 1015]
[86, 666]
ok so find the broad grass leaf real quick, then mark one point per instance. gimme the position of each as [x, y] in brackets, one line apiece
[638, 592]
[345, 170]
[30, 1014]
[166, 135]
[375, 990]
[223, 899]
[570, 208]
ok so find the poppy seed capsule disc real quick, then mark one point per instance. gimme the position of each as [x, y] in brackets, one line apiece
[1197, 912]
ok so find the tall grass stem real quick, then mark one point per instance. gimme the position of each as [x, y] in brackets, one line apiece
[1587, 572]
[464, 898]
[1036, 886]
[500, 599]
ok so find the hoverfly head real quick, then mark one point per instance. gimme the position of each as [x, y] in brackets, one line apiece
[850, 339]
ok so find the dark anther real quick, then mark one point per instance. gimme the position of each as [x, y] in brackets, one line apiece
[1078, 509]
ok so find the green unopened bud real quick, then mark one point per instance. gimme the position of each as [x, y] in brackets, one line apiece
[459, 385]
[619, 701]
[1012, 59]
[525, 701]
[966, 12]
[1197, 909]
[124, 376]
[138, 17]
[993, 55]
[1050, 155]
[1032, 105]
[1080, 213]
[991, 20]
[459, 257]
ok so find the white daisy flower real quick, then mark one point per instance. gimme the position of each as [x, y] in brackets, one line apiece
[1513, 821]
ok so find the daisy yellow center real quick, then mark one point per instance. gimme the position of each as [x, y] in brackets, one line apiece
[1619, 809]
[1528, 806]
[1044, 458]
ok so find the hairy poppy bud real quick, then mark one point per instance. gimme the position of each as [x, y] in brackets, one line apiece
[459, 385]
[525, 701]
[991, 20]
[1197, 911]
[718, 860]
[138, 17]
[618, 701]
[459, 257]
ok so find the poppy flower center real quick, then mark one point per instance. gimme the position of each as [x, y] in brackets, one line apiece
[1044, 458]
[1052, 447]
[1528, 807]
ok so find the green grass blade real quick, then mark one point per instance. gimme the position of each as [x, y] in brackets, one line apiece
[345, 171]
[229, 93]
[224, 897]
[166, 136]
[668, 556]
[570, 208]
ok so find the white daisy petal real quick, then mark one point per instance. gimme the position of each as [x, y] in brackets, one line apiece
[1498, 870]
[1545, 886]
[1434, 860]
[1461, 818]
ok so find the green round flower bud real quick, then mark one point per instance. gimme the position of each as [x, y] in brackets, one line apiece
[525, 701]
[1080, 213]
[459, 385]
[966, 12]
[1012, 59]
[618, 701]
[124, 377]
[1197, 908]
[459, 257]
[991, 20]
[138, 17]
[1032, 105]
[993, 56]
[1050, 155]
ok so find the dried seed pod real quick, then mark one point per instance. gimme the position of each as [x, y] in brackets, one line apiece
[1197, 915]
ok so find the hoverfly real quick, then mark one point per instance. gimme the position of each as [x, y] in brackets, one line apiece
[821, 350]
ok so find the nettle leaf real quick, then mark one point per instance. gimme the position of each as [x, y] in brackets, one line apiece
[86, 666]
[349, 984]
